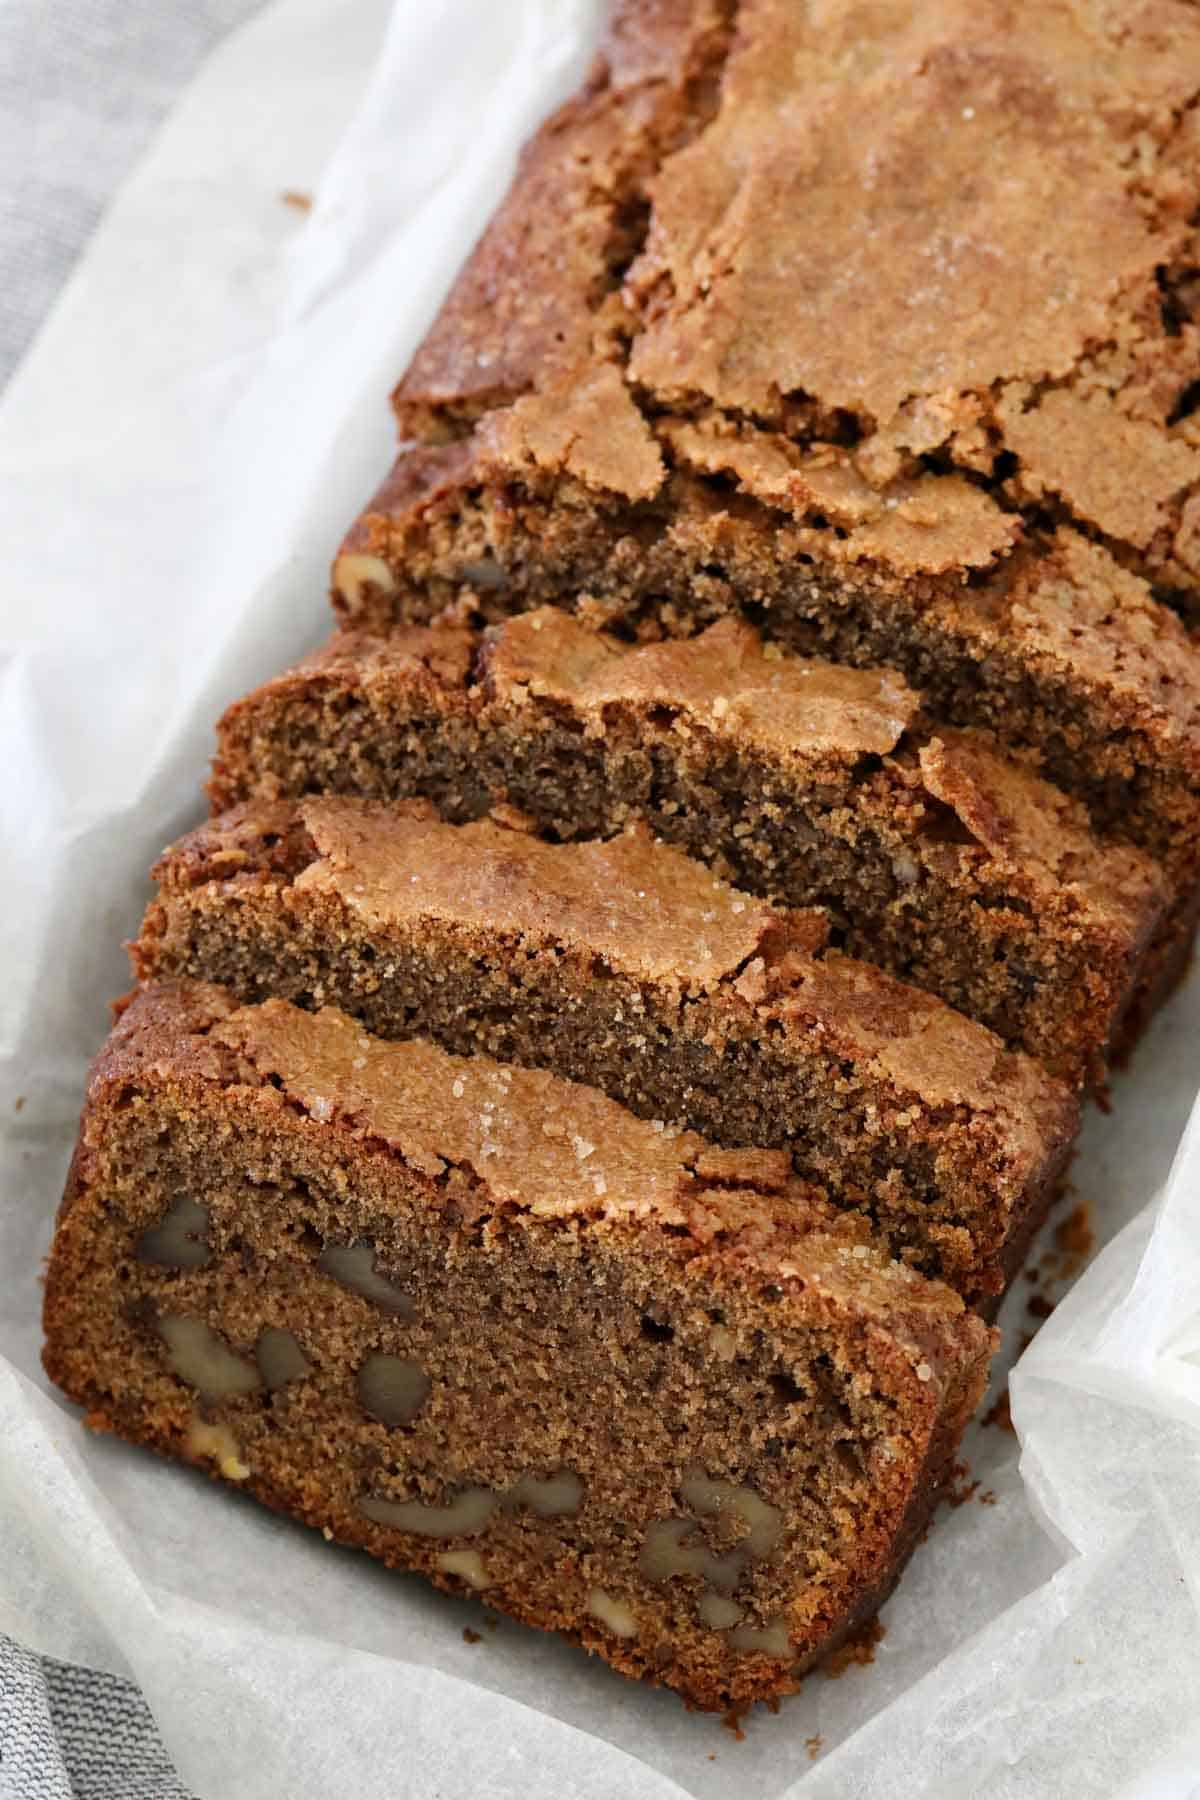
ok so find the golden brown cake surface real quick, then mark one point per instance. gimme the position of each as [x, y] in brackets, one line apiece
[641, 906]
[756, 303]
[726, 678]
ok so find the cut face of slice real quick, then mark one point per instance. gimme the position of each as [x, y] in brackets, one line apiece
[696, 1426]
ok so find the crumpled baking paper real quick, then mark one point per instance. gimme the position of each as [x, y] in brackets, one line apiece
[201, 417]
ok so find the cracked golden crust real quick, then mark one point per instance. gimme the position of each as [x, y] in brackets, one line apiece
[797, 708]
[744, 235]
[638, 904]
[953, 865]
[1130, 490]
[1080, 612]
[725, 678]
[1062, 617]
[435, 656]
[500, 329]
[1027, 825]
[809, 716]
[584, 425]
[553, 1147]
[762, 271]
[801, 709]
[915, 523]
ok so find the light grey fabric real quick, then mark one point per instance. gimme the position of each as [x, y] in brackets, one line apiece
[71, 1734]
[83, 84]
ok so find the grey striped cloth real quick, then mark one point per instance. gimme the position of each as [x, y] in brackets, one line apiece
[71, 1734]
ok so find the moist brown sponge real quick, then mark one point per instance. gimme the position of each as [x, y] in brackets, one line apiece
[662, 1398]
[624, 964]
[950, 864]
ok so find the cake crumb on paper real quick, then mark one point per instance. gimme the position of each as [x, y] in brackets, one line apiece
[858, 1648]
[999, 1413]
[1074, 1235]
[960, 1488]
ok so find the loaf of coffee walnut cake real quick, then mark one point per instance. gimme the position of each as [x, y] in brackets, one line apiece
[594, 1076]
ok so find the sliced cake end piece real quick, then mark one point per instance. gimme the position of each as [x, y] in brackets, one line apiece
[661, 1398]
[387, 718]
[945, 861]
[627, 965]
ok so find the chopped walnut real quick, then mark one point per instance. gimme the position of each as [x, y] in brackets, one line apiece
[710, 1499]
[202, 1359]
[468, 1513]
[613, 1613]
[771, 1640]
[354, 572]
[468, 1565]
[392, 1390]
[718, 1612]
[354, 1266]
[180, 1239]
[665, 1554]
[465, 1516]
[218, 1442]
[279, 1357]
[556, 1497]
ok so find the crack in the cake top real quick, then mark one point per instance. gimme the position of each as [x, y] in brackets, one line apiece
[585, 177]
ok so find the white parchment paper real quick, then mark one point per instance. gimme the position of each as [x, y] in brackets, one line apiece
[204, 413]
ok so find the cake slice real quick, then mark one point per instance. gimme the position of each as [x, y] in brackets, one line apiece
[955, 867]
[737, 341]
[661, 1399]
[626, 965]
